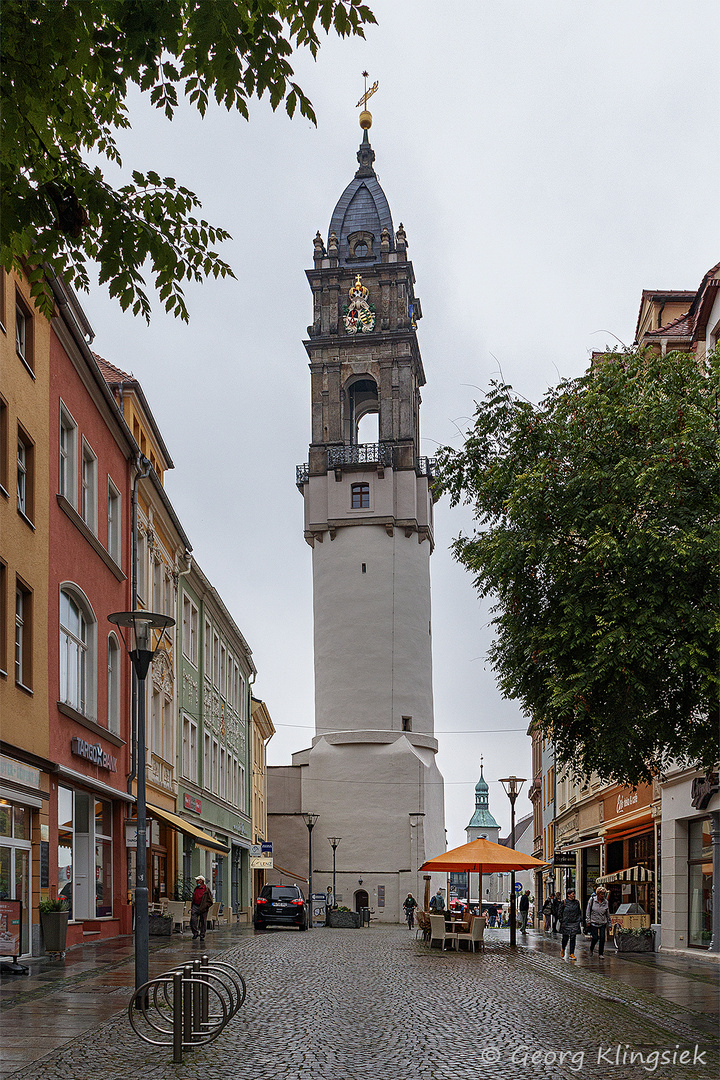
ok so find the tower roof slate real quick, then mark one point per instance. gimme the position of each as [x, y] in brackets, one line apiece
[362, 207]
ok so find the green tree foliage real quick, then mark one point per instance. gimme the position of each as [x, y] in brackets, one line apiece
[66, 68]
[597, 538]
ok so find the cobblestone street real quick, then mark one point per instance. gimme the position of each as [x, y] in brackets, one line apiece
[358, 1005]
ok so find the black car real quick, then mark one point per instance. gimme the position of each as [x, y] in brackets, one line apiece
[281, 905]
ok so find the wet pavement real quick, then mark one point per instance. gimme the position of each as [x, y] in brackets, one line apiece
[359, 1004]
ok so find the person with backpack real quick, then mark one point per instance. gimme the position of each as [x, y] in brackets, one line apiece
[570, 916]
[437, 903]
[597, 918]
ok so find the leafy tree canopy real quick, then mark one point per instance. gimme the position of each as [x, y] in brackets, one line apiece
[597, 538]
[66, 68]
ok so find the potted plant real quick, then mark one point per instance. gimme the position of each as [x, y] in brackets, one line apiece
[634, 940]
[344, 918]
[160, 925]
[54, 915]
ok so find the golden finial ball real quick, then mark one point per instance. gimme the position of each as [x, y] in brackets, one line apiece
[365, 120]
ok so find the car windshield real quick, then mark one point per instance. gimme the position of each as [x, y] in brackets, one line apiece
[280, 892]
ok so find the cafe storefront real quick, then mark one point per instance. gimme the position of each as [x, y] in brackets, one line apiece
[630, 830]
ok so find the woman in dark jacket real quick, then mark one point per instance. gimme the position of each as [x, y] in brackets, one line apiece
[570, 919]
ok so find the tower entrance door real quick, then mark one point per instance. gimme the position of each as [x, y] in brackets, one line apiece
[361, 899]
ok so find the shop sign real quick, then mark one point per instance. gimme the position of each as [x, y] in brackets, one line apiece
[18, 772]
[703, 789]
[10, 924]
[131, 835]
[191, 803]
[262, 862]
[266, 847]
[255, 851]
[624, 800]
[564, 858]
[94, 753]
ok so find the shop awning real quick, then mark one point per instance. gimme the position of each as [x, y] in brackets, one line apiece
[201, 838]
[633, 873]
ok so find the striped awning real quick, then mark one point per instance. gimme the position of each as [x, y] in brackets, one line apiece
[633, 873]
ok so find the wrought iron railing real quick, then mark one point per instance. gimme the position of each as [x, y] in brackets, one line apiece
[426, 467]
[302, 474]
[360, 454]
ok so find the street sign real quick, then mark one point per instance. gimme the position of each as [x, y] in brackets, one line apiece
[518, 887]
[261, 862]
[255, 851]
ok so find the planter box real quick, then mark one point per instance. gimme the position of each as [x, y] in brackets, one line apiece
[54, 928]
[635, 942]
[344, 919]
[160, 926]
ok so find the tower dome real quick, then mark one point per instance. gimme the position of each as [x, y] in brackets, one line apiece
[482, 818]
[362, 214]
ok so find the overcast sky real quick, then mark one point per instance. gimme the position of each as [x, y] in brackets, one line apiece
[548, 161]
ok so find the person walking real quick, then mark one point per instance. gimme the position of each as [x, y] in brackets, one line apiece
[555, 911]
[524, 909]
[409, 905]
[597, 917]
[570, 917]
[202, 901]
[437, 902]
[547, 910]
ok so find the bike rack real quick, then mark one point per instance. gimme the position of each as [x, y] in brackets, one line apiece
[190, 1005]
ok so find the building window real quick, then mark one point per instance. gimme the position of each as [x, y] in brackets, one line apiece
[223, 670]
[88, 505]
[407, 723]
[142, 567]
[77, 653]
[23, 332]
[25, 475]
[114, 523]
[3, 617]
[360, 496]
[157, 586]
[113, 686]
[190, 631]
[215, 765]
[3, 446]
[207, 763]
[68, 456]
[23, 635]
[216, 661]
[189, 749]
[208, 649]
[223, 774]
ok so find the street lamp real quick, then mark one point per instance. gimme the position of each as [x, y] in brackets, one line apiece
[334, 840]
[512, 785]
[310, 820]
[139, 626]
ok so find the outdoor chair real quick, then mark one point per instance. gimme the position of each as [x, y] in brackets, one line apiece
[423, 925]
[176, 908]
[438, 931]
[476, 935]
[212, 915]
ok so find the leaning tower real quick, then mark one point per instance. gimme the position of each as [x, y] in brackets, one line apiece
[371, 771]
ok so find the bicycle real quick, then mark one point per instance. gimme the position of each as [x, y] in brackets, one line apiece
[410, 918]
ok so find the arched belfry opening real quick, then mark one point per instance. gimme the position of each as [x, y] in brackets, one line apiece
[362, 411]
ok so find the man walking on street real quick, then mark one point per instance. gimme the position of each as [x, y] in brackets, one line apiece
[202, 901]
[524, 909]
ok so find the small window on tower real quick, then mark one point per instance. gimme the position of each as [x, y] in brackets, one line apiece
[360, 496]
[407, 723]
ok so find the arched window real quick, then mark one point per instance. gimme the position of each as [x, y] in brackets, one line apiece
[360, 496]
[113, 684]
[77, 651]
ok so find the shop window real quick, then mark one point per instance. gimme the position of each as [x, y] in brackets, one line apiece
[15, 863]
[65, 846]
[700, 884]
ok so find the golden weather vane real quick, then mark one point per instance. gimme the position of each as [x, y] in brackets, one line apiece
[365, 116]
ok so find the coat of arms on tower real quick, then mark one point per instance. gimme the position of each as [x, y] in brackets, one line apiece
[359, 316]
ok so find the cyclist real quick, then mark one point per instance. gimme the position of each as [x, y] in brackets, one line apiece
[409, 906]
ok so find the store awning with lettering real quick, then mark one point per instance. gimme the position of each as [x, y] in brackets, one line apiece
[202, 839]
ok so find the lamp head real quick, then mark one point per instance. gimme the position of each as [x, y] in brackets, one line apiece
[512, 785]
[138, 639]
[310, 820]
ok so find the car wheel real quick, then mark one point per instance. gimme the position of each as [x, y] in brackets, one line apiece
[302, 926]
[258, 925]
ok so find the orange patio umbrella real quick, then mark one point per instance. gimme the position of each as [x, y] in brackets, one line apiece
[482, 857]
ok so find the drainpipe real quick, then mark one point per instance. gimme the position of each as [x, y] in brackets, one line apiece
[142, 471]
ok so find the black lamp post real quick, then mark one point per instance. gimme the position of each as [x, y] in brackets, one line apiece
[310, 820]
[512, 785]
[139, 645]
[334, 840]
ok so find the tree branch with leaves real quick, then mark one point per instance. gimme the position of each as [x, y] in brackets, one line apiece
[66, 68]
[597, 541]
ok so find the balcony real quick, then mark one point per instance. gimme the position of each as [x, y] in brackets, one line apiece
[360, 454]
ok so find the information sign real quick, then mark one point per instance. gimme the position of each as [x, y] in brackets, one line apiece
[10, 926]
[261, 863]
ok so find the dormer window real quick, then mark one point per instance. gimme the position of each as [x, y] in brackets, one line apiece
[360, 245]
